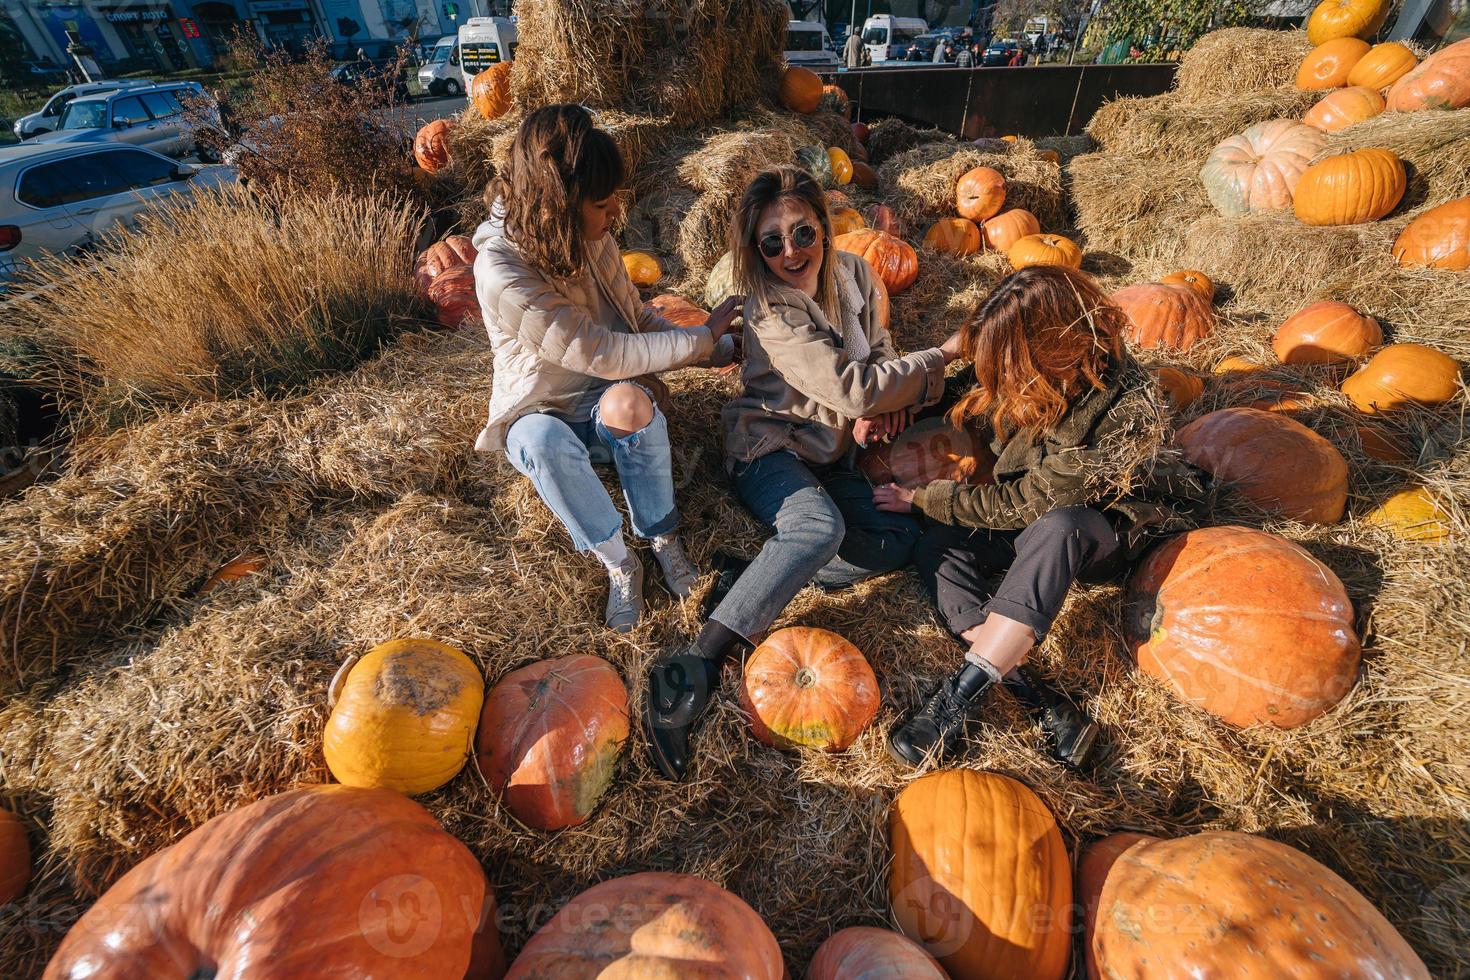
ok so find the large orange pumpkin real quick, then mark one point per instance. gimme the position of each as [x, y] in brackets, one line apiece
[453, 294]
[1350, 188]
[808, 688]
[681, 312]
[1400, 375]
[404, 717]
[868, 953]
[1244, 624]
[490, 90]
[1044, 250]
[1343, 108]
[980, 193]
[15, 857]
[653, 924]
[846, 220]
[431, 145]
[1346, 18]
[801, 89]
[1180, 387]
[954, 236]
[440, 257]
[1442, 81]
[1094, 865]
[1439, 238]
[550, 737]
[1275, 462]
[980, 876]
[1383, 65]
[1009, 227]
[1222, 903]
[930, 449]
[1159, 315]
[1324, 333]
[893, 259]
[1194, 279]
[1329, 64]
[1258, 170]
[321, 877]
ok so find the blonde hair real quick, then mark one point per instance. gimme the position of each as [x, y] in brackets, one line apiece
[750, 272]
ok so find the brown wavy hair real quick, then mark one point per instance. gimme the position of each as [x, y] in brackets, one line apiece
[750, 273]
[1040, 339]
[559, 159]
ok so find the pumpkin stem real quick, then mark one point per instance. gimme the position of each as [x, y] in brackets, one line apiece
[806, 677]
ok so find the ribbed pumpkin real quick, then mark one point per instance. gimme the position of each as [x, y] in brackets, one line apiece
[837, 199]
[490, 90]
[1415, 514]
[1343, 108]
[678, 310]
[868, 953]
[893, 259]
[1195, 280]
[808, 688]
[1403, 374]
[318, 880]
[863, 175]
[1442, 81]
[1325, 333]
[550, 737]
[1222, 903]
[1094, 864]
[1439, 238]
[953, 236]
[1350, 188]
[440, 257]
[453, 294]
[801, 89]
[980, 876]
[1173, 317]
[845, 220]
[1273, 461]
[1243, 624]
[644, 269]
[840, 164]
[980, 193]
[721, 282]
[656, 924]
[883, 218]
[1044, 250]
[1383, 65]
[1258, 169]
[15, 857]
[1346, 18]
[1329, 64]
[234, 570]
[405, 717]
[930, 449]
[1180, 387]
[431, 145]
[1009, 227]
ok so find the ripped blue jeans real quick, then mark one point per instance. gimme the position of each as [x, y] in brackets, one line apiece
[558, 457]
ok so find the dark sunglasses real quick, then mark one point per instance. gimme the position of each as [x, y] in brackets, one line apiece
[802, 236]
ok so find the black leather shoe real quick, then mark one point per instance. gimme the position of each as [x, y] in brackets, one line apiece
[935, 726]
[680, 688]
[1071, 732]
[728, 569]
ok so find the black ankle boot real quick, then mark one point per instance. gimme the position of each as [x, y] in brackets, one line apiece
[1071, 732]
[680, 688]
[728, 569]
[937, 726]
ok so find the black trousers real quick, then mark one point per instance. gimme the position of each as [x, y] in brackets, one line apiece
[958, 565]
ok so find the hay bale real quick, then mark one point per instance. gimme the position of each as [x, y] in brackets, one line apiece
[1435, 148]
[945, 295]
[1067, 147]
[1240, 59]
[1134, 207]
[889, 137]
[1185, 129]
[920, 182]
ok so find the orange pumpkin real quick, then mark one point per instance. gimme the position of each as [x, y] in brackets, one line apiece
[1243, 624]
[867, 953]
[1442, 81]
[15, 857]
[381, 880]
[1400, 375]
[1273, 461]
[860, 132]
[1329, 64]
[1382, 445]
[1180, 387]
[453, 294]
[1094, 865]
[954, 236]
[1343, 108]
[680, 312]
[1439, 238]
[980, 193]
[1235, 364]
[863, 175]
[980, 876]
[808, 688]
[840, 163]
[643, 268]
[845, 220]
[1044, 250]
[1279, 396]
[431, 145]
[883, 218]
[1350, 188]
[550, 737]
[1258, 169]
[1195, 280]
[1346, 18]
[1174, 317]
[439, 257]
[801, 89]
[652, 924]
[1216, 904]
[1383, 65]
[892, 259]
[234, 570]
[1414, 514]
[837, 199]
[490, 90]
[930, 449]
[1325, 333]
[1050, 156]
[1009, 227]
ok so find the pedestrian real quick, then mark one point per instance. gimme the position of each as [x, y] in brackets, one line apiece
[852, 51]
[938, 52]
[361, 54]
[1017, 58]
[914, 54]
[963, 58]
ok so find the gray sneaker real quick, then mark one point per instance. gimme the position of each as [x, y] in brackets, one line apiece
[679, 571]
[625, 595]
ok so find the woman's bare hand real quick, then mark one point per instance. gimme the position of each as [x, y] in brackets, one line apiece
[951, 348]
[892, 497]
[722, 317]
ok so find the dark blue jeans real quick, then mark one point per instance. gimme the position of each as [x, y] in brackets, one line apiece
[827, 531]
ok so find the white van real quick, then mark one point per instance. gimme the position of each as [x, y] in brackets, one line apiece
[808, 45]
[457, 58]
[887, 37]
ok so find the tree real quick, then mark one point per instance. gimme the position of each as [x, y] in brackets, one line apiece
[1008, 17]
[1159, 28]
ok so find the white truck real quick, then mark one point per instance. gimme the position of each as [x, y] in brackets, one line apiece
[888, 37]
[457, 58]
[808, 45]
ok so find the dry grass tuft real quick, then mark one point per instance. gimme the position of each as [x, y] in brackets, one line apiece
[1184, 129]
[1240, 59]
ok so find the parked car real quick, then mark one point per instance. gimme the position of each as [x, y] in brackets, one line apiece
[1001, 52]
[362, 73]
[59, 199]
[48, 117]
[152, 117]
[926, 44]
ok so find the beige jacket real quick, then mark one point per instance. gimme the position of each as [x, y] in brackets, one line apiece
[801, 392]
[546, 346]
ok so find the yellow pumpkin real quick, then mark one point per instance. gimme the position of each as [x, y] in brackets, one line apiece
[956, 236]
[404, 718]
[841, 164]
[1350, 188]
[1235, 364]
[1414, 515]
[1383, 65]
[642, 268]
[1403, 374]
[1045, 250]
[845, 220]
[1344, 107]
[1328, 65]
[1346, 18]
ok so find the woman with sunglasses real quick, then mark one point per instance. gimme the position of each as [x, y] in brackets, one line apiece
[575, 351]
[820, 374]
